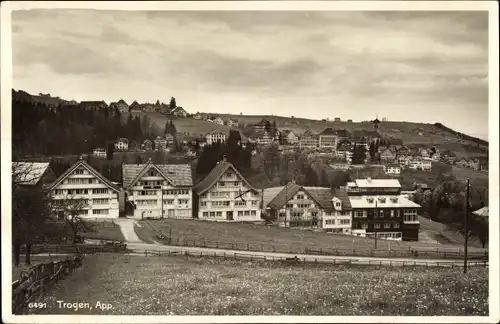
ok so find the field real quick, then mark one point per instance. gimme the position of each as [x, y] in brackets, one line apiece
[267, 238]
[179, 285]
[185, 126]
[105, 231]
[473, 175]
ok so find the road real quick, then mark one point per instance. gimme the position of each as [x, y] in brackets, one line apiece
[142, 248]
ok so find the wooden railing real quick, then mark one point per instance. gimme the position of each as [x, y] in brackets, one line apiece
[39, 279]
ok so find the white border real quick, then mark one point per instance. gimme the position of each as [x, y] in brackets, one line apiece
[6, 74]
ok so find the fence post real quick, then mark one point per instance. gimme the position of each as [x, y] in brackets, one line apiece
[261, 248]
[216, 244]
[274, 248]
[248, 247]
[145, 252]
[232, 246]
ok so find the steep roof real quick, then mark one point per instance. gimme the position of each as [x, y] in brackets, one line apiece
[286, 193]
[29, 173]
[342, 132]
[177, 174]
[214, 175]
[341, 193]
[82, 163]
[378, 183]
[121, 101]
[322, 195]
[328, 131]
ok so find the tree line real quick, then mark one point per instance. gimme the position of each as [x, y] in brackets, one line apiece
[41, 130]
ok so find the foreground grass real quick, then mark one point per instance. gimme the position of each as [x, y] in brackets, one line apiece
[137, 285]
[267, 238]
[105, 230]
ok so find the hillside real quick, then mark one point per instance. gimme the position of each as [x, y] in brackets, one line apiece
[47, 99]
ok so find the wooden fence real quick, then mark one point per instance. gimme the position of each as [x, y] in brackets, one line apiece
[312, 260]
[109, 246]
[39, 279]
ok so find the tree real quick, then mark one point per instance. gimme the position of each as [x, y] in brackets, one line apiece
[358, 154]
[172, 104]
[110, 151]
[71, 210]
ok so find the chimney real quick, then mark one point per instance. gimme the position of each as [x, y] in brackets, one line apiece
[224, 158]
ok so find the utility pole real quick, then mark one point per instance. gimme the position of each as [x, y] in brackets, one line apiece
[374, 227]
[466, 220]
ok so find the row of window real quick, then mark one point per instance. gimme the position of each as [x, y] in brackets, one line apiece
[393, 235]
[240, 213]
[377, 225]
[338, 221]
[81, 181]
[165, 201]
[228, 184]
[81, 191]
[382, 213]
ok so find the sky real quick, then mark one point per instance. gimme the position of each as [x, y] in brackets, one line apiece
[412, 66]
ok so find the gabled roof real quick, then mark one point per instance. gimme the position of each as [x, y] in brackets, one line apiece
[322, 195]
[341, 193]
[121, 101]
[286, 193]
[29, 173]
[82, 163]
[215, 175]
[176, 174]
[328, 131]
[123, 139]
[342, 132]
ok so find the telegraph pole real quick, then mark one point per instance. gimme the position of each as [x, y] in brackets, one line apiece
[374, 227]
[466, 221]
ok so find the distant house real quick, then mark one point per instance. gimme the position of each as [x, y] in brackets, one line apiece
[32, 174]
[290, 137]
[261, 126]
[122, 144]
[216, 136]
[179, 112]
[135, 107]
[219, 121]
[121, 105]
[99, 152]
[93, 105]
[392, 169]
[388, 155]
[264, 138]
[147, 107]
[170, 139]
[402, 151]
[160, 143]
[232, 123]
[337, 120]
[426, 164]
[342, 134]
[463, 163]
[147, 145]
[425, 153]
[473, 164]
[308, 140]
[349, 121]
[376, 123]
[328, 139]
[197, 116]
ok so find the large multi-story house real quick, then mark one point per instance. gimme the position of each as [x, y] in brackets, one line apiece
[159, 190]
[216, 136]
[394, 169]
[160, 143]
[224, 194]
[179, 112]
[97, 196]
[264, 138]
[99, 152]
[379, 207]
[121, 144]
[93, 105]
[170, 139]
[289, 137]
[388, 155]
[147, 145]
[261, 126]
[32, 174]
[134, 107]
[121, 105]
[402, 151]
[308, 140]
[219, 121]
[328, 139]
[297, 206]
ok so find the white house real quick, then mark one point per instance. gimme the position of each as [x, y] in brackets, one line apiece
[426, 164]
[99, 152]
[160, 143]
[392, 169]
[159, 190]
[219, 121]
[290, 137]
[179, 111]
[225, 195]
[197, 116]
[82, 182]
[122, 144]
[216, 136]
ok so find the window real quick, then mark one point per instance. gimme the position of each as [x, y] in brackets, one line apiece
[219, 214]
[100, 191]
[330, 222]
[345, 221]
[289, 205]
[300, 197]
[202, 204]
[212, 214]
[222, 184]
[240, 213]
[183, 201]
[396, 225]
[171, 202]
[387, 225]
[392, 213]
[314, 214]
[205, 214]
[253, 213]
[360, 213]
[376, 225]
[239, 203]
[100, 211]
[255, 203]
[59, 192]
[100, 201]
[410, 215]
[381, 213]
[337, 204]
[364, 226]
[229, 174]
[79, 171]
[303, 206]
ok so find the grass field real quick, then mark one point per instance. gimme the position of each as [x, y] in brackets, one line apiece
[473, 175]
[267, 238]
[105, 230]
[137, 285]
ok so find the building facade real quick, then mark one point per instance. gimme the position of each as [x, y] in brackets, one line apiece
[159, 190]
[99, 152]
[308, 140]
[81, 182]
[121, 144]
[225, 195]
[379, 208]
[216, 136]
[328, 139]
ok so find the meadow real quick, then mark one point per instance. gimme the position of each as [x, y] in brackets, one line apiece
[181, 285]
[270, 238]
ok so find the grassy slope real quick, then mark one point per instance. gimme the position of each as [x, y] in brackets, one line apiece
[284, 240]
[406, 131]
[137, 285]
